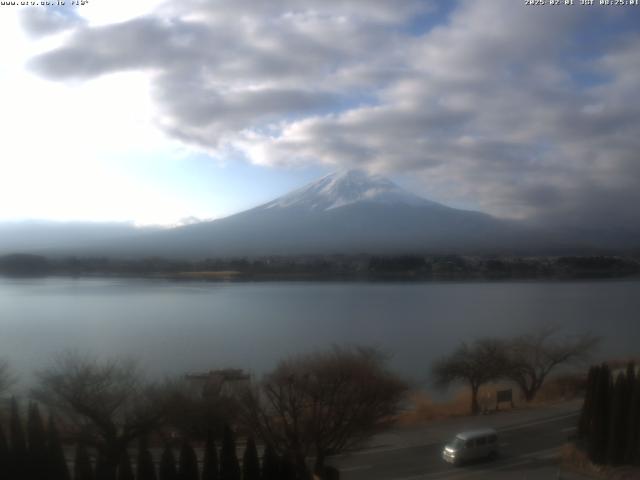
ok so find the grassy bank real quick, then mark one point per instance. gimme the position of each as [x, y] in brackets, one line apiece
[424, 408]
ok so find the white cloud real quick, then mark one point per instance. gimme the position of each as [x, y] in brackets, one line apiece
[485, 109]
[62, 143]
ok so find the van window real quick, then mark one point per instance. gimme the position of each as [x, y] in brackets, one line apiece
[493, 438]
[469, 444]
[481, 441]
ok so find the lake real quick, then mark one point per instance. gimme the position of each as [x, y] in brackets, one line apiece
[176, 327]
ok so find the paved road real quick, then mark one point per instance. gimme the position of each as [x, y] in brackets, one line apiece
[529, 440]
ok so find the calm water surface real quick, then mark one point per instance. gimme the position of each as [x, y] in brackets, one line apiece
[174, 327]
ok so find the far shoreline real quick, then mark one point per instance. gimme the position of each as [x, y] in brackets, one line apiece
[239, 277]
[403, 268]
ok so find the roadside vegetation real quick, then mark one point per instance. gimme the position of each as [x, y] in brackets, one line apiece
[607, 443]
[425, 407]
[526, 361]
[121, 427]
[609, 424]
[118, 426]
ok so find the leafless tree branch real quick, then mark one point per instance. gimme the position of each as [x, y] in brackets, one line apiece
[324, 403]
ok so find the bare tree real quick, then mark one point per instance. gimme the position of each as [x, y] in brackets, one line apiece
[322, 404]
[476, 364]
[6, 377]
[533, 356]
[105, 399]
[195, 414]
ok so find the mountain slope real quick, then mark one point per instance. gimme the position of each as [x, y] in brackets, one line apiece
[347, 188]
[347, 212]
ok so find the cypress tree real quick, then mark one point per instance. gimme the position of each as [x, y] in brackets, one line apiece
[287, 468]
[188, 462]
[250, 461]
[210, 462]
[586, 414]
[103, 471]
[632, 454]
[19, 453]
[597, 445]
[616, 446]
[38, 457]
[145, 468]
[125, 472]
[5, 456]
[58, 469]
[631, 373]
[270, 464]
[229, 466]
[168, 469]
[82, 469]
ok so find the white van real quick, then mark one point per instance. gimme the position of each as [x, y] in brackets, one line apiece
[471, 445]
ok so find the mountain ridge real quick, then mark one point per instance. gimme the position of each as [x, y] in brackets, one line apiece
[346, 187]
[349, 212]
[344, 212]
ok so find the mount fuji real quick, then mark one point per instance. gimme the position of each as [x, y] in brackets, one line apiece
[348, 212]
[347, 188]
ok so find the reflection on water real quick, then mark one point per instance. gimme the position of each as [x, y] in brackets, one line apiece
[173, 327]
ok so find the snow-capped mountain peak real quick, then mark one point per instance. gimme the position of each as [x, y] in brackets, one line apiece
[345, 188]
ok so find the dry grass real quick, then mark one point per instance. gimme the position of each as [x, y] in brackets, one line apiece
[425, 409]
[574, 458]
[561, 387]
[621, 363]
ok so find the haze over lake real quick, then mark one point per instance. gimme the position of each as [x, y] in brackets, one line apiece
[177, 327]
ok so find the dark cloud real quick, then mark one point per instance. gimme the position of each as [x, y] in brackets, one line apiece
[494, 106]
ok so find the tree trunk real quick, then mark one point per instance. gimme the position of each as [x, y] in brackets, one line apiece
[534, 388]
[301, 467]
[475, 408]
[112, 453]
[319, 463]
[529, 394]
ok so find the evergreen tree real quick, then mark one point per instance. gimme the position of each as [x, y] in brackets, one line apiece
[188, 462]
[103, 470]
[145, 469]
[125, 472]
[597, 445]
[19, 453]
[586, 414]
[250, 461]
[270, 464]
[287, 468]
[632, 454]
[210, 462]
[168, 469]
[5, 456]
[616, 446]
[82, 469]
[229, 466]
[631, 373]
[38, 455]
[58, 469]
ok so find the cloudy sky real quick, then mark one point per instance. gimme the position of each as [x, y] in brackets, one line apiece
[154, 111]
